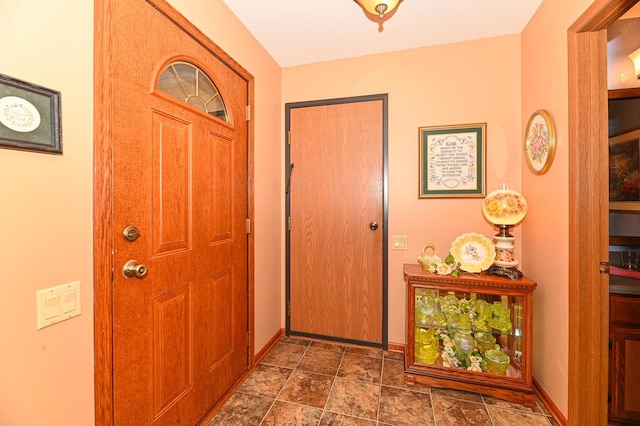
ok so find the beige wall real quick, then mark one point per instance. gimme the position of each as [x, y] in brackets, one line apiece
[501, 81]
[471, 82]
[46, 376]
[545, 232]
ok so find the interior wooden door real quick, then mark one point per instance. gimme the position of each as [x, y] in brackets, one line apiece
[336, 220]
[180, 331]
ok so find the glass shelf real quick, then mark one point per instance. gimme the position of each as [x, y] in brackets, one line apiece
[491, 323]
[485, 312]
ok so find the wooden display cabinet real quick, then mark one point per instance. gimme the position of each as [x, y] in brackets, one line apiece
[624, 375]
[431, 308]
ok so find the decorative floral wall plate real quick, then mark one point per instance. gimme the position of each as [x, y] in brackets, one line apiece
[540, 142]
[474, 252]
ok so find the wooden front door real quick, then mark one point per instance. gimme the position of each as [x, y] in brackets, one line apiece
[336, 219]
[180, 165]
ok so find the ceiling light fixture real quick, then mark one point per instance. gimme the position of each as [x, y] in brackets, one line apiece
[378, 8]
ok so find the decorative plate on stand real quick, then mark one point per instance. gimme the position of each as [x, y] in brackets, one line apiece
[474, 252]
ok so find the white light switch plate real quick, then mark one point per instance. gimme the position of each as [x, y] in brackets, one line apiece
[58, 303]
[399, 242]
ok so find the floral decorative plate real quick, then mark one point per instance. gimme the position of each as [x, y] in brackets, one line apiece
[540, 142]
[474, 252]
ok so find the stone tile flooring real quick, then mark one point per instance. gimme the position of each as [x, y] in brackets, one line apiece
[302, 382]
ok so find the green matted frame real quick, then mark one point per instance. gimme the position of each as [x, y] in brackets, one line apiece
[30, 117]
[452, 161]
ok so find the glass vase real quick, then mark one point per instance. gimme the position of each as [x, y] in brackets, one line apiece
[464, 342]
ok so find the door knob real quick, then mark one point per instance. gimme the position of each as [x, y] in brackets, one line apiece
[133, 269]
[373, 225]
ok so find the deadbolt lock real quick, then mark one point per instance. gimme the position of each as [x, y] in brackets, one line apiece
[133, 269]
[131, 233]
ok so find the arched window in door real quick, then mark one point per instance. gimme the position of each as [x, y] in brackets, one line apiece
[190, 84]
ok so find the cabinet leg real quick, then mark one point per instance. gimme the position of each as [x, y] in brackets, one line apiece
[529, 400]
[409, 379]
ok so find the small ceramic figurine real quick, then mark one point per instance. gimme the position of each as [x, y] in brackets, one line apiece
[429, 262]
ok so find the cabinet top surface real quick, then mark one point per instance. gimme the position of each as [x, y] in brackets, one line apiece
[415, 272]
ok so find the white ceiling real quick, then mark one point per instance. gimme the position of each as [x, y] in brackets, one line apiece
[297, 32]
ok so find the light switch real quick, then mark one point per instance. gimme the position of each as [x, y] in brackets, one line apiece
[69, 301]
[57, 304]
[52, 306]
[399, 242]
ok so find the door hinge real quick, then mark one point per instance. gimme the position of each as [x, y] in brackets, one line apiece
[605, 267]
[248, 339]
[289, 223]
[248, 112]
[289, 137]
[610, 344]
[289, 308]
[248, 225]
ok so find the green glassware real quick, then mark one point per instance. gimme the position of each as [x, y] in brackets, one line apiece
[483, 309]
[464, 342]
[501, 318]
[450, 306]
[426, 307]
[497, 361]
[426, 346]
[485, 341]
[462, 338]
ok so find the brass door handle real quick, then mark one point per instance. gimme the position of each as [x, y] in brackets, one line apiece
[373, 225]
[133, 269]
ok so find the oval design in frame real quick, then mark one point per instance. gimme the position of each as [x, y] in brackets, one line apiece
[540, 142]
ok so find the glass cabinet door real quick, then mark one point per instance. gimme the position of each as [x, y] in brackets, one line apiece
[468, 331]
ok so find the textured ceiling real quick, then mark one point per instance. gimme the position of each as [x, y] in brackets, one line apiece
[297, 32]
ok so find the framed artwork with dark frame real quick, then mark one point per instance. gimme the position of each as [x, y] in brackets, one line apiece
[452, 161]
[624, 172]
[29, 117]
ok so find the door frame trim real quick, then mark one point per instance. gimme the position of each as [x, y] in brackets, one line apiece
[103, 84]
[384, 97]
[588, 211]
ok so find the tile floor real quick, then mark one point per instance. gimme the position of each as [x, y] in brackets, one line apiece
[302, 382]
